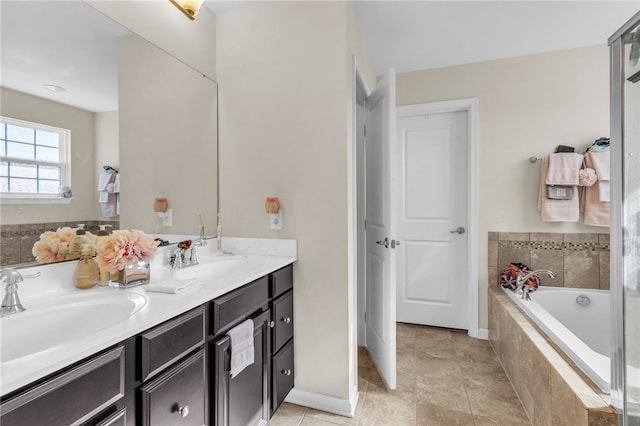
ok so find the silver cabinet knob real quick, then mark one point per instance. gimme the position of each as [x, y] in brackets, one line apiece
[286, 320]
[286, 372]
[183, 411]
[458, 230]
[272, 324]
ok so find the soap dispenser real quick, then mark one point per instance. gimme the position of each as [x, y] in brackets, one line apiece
[86, 274]
[75, 248]
[104, 272]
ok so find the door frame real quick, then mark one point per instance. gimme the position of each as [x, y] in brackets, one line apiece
[470, 105]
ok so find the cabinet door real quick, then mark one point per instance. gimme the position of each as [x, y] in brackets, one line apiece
[177, 397]
[282, 381]
[72, 397]
[117, 419]
[282, 320]
[243, 399]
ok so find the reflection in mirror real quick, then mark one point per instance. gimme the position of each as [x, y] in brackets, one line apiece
[159, 131]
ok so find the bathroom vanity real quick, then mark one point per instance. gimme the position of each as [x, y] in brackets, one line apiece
[173, 366]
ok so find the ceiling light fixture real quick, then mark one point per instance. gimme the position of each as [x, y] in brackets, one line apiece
[189, 7]
[54, 88]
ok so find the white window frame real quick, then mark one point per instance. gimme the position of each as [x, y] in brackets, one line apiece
[64, 163]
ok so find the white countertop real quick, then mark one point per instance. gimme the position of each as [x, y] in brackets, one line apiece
[254, 258]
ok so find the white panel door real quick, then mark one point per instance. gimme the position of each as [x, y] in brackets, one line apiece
[432, 216]
[380, 297]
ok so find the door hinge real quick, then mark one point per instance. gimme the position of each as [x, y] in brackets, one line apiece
[365, 224]
[365, 131]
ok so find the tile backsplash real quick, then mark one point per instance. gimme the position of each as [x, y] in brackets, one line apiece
[578, 260]
[16, 241]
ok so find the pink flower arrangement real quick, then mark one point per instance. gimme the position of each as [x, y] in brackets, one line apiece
[122, 248]
[47, 249]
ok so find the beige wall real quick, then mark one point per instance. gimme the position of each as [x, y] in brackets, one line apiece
[285, 111]
[83, 184]
[528, 106]
[162, 24]
[168, 140]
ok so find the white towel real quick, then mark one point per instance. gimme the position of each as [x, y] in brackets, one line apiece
[242, 352]
[103, 180]
[173, 286]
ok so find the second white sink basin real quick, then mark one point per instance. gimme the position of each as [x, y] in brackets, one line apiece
[43, 326]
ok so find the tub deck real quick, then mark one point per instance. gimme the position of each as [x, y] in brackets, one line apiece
[552, 389]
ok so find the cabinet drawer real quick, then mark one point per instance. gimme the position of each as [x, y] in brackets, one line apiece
[281, 280]
[178, 396]
[230, 309]
[283, 320]
[282, 380]
[163, 345]
[72, 397]
[116, 419]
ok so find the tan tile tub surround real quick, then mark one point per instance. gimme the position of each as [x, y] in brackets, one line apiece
[578, 260]
[16, 241]
[552, 390]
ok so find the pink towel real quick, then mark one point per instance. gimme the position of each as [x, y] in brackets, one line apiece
[596, 212]
[556, 210]
[601, 163]
[564, 168]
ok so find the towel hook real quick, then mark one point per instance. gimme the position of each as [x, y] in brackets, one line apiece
[534, 159]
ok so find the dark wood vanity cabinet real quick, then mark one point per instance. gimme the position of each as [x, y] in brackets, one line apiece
[176, 373]
[84, 394]
[243, 399]
[173, 371]
[282, 373]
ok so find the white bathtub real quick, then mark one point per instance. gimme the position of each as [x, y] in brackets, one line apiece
[582, 332]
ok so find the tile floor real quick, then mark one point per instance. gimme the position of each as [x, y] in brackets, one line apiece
[444, 378]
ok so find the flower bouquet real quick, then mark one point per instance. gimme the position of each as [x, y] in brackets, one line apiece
[53, 246]
[126, 256]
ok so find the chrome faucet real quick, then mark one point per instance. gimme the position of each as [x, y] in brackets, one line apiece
[522, 288]
[183, 257]
[201, 241]
[11, 302]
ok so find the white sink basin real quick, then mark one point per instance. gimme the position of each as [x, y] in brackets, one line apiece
[43, 327]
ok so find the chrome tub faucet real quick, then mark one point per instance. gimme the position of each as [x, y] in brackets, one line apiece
[523, 289]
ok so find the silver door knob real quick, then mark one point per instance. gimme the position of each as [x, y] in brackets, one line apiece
[286, 320]
[286, 372]
[183, 411]
[384, 242]
[458, 230]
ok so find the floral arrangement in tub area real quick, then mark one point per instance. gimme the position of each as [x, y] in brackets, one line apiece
[122, 257]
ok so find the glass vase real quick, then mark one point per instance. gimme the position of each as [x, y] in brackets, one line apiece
[132, 275]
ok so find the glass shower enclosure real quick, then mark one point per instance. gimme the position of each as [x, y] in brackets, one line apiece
[625, 220]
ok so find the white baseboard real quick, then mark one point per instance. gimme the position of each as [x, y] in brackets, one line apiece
[479, 333]
[330, 404]
[483, 333]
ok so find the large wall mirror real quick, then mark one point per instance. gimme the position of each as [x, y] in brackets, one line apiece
[127, 103]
